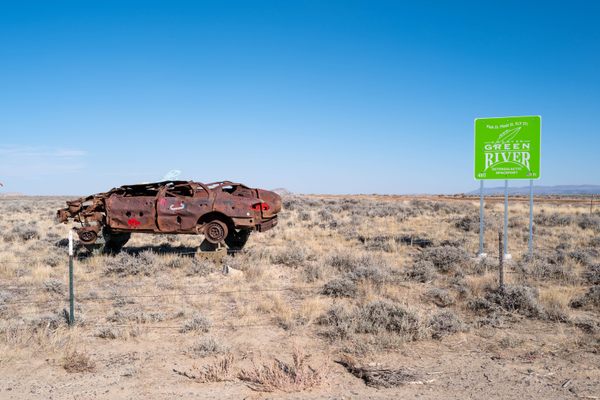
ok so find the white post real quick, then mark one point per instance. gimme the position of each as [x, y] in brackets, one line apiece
[71, 289]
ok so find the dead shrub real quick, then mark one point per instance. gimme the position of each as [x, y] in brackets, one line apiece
[517, 298]
[546, 267]
[382, 315]
[340, 322]
[440, 297]
[554, 219]
[220, 370]
[590, 299]
[282, 376]
[422, 271]
[200, 267]
[198, 323]
[22, 232]
[380, 243]
[468, 223]
[588, 325]
[481, 306]
[108, 333]
[124, 264]
[56, 286]
[376, 274]
[446, 258]
[340, 287]
[345, 262]
[293, 256]
[587, 221]
[208, 346]
[78, 362]
[510, 342]
[140, 317]
[48, 322]
[445, 323]
[592, 274]
[584, 256]
[312, 272]
[55, 259]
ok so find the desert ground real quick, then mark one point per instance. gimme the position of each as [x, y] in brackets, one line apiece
[349, 297]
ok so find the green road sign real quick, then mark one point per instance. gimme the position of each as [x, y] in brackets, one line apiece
[508, 147]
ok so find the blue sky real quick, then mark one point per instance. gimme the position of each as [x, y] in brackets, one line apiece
[313, 96]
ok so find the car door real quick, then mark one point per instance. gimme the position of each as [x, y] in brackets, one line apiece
[131, 212]
[178, 208]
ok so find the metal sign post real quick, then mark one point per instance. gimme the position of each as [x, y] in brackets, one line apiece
[531, 219]
[481, 253]
[507, 148]
[507, 256]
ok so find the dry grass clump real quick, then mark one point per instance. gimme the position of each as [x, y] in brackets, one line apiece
[590, 299]
[588, 221]
[422, 271]
[439, 296]
[22, 232]
[140, 317]
[293, 256]
[382, 315]
[75, 361]
[468, 223]
[340, 322]
[588, 325]
[286, 377]
[347, 285]
[108, 333]
[221, 370]
[198, 323]
[547, 267]
[47, 322]
[54, 259]
[56, 286]
[517, 298]
[379, 243]
[124, 264]
[553, 219]
[592, 274]
[340, 287]
[200, 267]
[208, 346]
[584, 256]
[348, 262]
[445, 323]
[446, 258]
[376, 317]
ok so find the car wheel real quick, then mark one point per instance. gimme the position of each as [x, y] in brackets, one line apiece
[215, 231]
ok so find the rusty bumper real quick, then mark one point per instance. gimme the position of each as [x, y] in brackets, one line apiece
[266, 225]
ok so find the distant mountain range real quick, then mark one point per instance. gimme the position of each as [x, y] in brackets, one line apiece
[541, 190]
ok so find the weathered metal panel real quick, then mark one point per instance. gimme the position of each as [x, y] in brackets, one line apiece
[131, 213]
[181, 213]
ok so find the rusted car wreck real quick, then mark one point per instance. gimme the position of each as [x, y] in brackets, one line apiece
[224, 212]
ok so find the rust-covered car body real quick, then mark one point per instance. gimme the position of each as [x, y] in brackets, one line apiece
[221, 211]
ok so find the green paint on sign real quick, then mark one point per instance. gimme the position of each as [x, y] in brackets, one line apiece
[508, 147]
